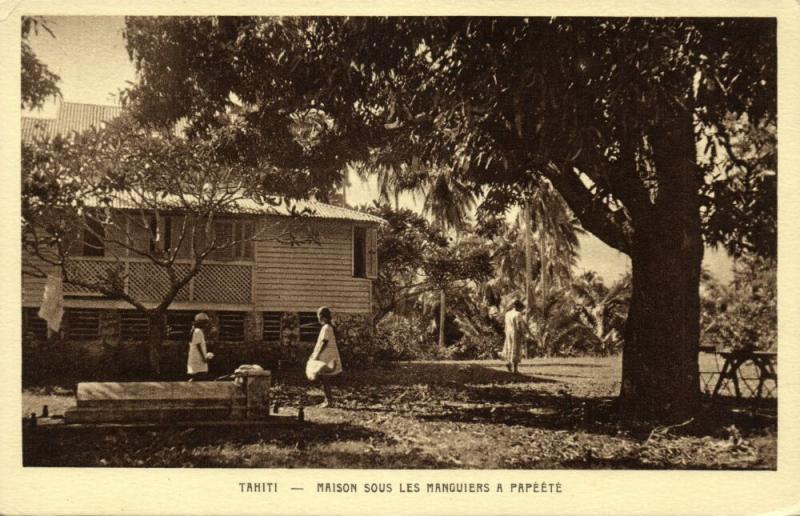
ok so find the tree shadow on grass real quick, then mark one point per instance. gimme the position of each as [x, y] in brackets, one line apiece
[169, 446]
[430, 373]
[429, 392]
[599, 415]
[551, 376]
[473, 393]
[566, 364]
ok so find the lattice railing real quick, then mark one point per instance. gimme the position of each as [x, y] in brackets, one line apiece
[216, 283]
[149, 282]
[89, 271]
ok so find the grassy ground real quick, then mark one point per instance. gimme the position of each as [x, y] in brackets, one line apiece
[557, 413]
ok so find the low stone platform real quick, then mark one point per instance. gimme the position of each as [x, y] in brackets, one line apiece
[164, 402]
[285, 418]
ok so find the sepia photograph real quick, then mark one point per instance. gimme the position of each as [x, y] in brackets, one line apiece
[399, 243]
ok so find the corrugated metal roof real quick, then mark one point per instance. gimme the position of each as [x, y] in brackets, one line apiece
[71, 117]
[35, 128]
[309, 208]
[329, 211]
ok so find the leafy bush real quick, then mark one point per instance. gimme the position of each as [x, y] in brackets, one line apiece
[359, 346]
[482, 338]
[66, 362]
[742, 315]
[408, 339]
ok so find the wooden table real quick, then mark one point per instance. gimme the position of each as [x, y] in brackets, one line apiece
[765, 362]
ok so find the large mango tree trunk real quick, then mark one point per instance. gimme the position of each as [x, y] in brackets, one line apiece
[660, 378]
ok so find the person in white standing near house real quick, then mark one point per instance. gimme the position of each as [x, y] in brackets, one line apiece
[514, 329]
[198, 357]
[324, 361]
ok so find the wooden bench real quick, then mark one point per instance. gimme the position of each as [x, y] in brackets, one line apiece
[122, 402]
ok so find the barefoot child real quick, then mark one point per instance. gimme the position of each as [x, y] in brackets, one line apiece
[198, 357]
[324, 361]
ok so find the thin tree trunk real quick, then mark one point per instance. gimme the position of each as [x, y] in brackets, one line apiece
[528, 261]
[442, 305]
[544, 266]
[660, 378]
[155, 340]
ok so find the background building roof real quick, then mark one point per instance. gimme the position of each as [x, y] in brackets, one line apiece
[77, 117]
[309, 208]
[71, 117]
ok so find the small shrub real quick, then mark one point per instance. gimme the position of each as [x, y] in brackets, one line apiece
[743, 314]
[357, 344]
[480, 341]
[406, 339]
[476, 348]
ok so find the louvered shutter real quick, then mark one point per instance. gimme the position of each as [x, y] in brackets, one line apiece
[247, 240]
[372, 252]
[223, 236]
[184, 251]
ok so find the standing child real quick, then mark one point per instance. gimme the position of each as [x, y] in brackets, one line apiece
[514, 329]
[324, 361]
[198, 357]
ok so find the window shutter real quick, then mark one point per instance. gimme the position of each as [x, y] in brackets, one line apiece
[166, 233]
[237, 237]
[200, 239]
[93, 237]
[139, 233]
[75, 247]
[372, 253]
[184, 251]
[223, 235]
[247, 237]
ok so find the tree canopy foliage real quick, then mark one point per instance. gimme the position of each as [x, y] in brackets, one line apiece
[38, 82]
[416, 258]
[501, 100]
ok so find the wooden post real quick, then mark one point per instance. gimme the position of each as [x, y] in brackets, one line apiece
[256, 386]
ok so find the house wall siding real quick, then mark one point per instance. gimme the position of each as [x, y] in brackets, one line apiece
[33, 287]
[304, 277]
[285, 278]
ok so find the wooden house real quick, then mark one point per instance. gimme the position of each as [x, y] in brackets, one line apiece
[261, 291]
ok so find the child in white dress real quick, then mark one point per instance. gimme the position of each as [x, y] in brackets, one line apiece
[514, 330]
[198, 357]
[324, 361]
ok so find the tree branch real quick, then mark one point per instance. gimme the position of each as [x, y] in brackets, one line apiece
[595, 216]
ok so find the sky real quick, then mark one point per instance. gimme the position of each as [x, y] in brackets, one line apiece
[89, 55]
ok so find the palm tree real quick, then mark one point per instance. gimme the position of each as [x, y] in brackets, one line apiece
[390, 185]
[447, 200]
[602, 310]
[449, 203]
[509, 256]
[550, 223]
[392, 180]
